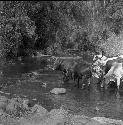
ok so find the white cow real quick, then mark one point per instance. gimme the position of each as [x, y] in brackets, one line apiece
[116, 71]
[121, 56]
[103, 59]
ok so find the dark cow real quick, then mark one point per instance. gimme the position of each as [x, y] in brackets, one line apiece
[66, 66]
[75, 70]
[82, 71]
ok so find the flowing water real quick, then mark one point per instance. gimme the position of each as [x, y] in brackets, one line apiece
[90, 102]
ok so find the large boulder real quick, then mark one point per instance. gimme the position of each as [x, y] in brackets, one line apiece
[13, 105]
[54, 117]
[39, 110]
[38, 116]
[57, 117]
[58, 91]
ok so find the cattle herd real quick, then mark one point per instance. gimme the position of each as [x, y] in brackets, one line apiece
[106, 70]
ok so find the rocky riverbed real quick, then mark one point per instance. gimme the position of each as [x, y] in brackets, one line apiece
[17, 111]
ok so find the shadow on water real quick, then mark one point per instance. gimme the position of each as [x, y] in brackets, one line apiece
[91, 102]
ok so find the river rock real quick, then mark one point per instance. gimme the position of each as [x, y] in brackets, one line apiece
[44, 85]
[39, 109]
[54, 117]
[58, 91]
[3, 102]
[35, 73]
[12, 106]
[62, 117]
[25, 103]
[108, 121]
[57, 117]
[82, 120]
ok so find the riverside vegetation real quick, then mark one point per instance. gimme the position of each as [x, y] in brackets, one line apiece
[56, 28]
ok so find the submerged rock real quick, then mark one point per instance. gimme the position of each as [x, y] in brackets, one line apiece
[58, 91]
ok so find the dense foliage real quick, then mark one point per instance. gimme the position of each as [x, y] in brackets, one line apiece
[52, 27]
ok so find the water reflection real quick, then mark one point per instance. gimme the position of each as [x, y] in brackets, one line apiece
[24, 66]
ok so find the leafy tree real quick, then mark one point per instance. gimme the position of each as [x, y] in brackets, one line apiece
[15, 26]
[55, 26]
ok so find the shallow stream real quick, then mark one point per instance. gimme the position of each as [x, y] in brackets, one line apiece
[90, 102]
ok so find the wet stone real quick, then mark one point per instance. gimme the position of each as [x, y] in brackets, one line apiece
[3, 102]
[58, 91]
[82, 120]
[39, 109]
[108, 121]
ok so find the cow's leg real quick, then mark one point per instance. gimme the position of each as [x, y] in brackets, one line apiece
[118, 82]
[101, 76]
[83, 80]
[78, 81]
[72, 75]
[82, 84]
[89, 81]
[102, 83]
[118, 86]
[105, 83]
[75, 76]
[64, 77]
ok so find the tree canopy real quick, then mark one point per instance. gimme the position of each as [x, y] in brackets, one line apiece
[54, 26]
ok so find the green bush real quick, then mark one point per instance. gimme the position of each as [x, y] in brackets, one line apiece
[17, 30]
